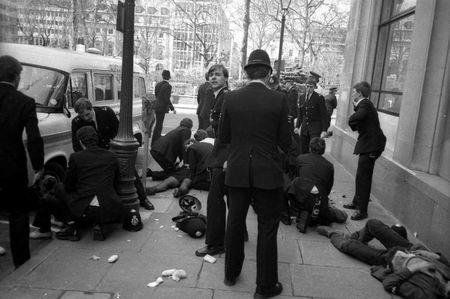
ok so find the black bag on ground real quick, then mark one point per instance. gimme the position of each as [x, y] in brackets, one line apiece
[190, 220]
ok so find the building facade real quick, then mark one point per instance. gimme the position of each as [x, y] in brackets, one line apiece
[402, 48]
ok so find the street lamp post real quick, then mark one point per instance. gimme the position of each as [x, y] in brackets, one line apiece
[125, 145]
[284, 9]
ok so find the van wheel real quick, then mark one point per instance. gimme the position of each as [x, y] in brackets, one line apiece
[56, 170]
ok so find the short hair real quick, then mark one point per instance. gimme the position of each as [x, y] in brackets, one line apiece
[317, 145]
[257, 71]
[218, 67]
[87, 136]
[186, 122]
[10, 68]
[364, 88]
[200, 135]
[206, 76]
[82, 104]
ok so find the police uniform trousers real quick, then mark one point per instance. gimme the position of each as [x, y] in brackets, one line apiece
[216, 209]
[13, 194]
[267, 204]
[305, 138]
[159, 120]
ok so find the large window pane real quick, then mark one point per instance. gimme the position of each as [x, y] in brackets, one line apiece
[79, 87]
[390, 102]
[402, 5]
[103, 87]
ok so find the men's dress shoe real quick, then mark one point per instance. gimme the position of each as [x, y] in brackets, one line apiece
[150, 191]
[350, 206]
[229, 282]
[359, 216]
[98, 234]
[211, 250]
[146, 204]
[38, 235]
[265, 292]
[285, 219]
[69, 233]
[302, 221]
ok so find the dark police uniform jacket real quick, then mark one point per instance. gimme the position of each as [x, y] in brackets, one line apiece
[107, 123]
[171, 145]
[254, 122]
[18, 112]
[94, 172]
[365, 120]
[312, 115]
[205, 99]
[197, 158]
[163, 90]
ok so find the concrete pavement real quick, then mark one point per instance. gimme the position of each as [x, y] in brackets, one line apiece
[309, 266]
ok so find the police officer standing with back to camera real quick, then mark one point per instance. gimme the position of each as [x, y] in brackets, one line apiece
[312, 115]
[254, 122]
[163, 90]
[17, 112]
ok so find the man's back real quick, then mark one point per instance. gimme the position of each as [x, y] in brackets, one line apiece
[171, 145]
[254, 123]
[17, 111]
[163, 91]
[318, 169]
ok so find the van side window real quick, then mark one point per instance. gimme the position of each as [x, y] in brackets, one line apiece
[79, 87]
[138, 87]
[103, 87]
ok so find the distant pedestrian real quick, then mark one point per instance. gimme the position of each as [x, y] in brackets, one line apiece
[311, 117]
[205, 99]
[330, 104]
[254, 123]
[163, 91]
[370, 145]
[17, 112]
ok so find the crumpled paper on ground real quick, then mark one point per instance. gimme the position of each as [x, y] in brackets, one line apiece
[176, 274]
[158, 281]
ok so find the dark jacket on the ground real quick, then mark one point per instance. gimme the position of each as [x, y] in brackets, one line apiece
[94, 172]
[18, 112]
[312, 115]
[163, 90]
[365, 121]
[107, 123]
[171, 145]
[254, 122]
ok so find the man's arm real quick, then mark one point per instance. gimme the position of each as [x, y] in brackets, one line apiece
[35, 145]
[323, 113]
[114, 122]
[192, 162]
[167, 93]
[224, 123]
[184, 136]
[71, 176]
[358, 116]
[299, 113]
[75, 142]
[284, 135]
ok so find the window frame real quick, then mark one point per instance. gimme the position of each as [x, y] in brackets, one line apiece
[385, 23]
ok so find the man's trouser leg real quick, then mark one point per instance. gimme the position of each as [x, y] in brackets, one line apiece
[374, 228]
[159, 116]
[165, 164]
[358, 250]
[363, 181]
[216, 209]
[238, 203]
[304, 142]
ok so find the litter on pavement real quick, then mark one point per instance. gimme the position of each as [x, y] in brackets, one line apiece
[113, 258]
[156, 282]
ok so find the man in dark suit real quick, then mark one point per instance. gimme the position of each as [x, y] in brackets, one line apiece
[171, 146]
[254, 123]
[312, 116]
[216, 207]
[205, 99]
[17, 112]
[105, 122]
[163, 91]
[89, 191]
[370, 145]
[331, 104]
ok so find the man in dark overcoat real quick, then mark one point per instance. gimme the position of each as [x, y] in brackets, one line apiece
[370, 145]
[17, 112]
[205, 98]
[254, 122]
[106, 124]
[163, 91]
[311, 117]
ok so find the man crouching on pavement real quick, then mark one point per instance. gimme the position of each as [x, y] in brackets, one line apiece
[89, 193]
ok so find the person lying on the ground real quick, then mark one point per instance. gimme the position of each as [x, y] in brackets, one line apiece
[169, 147]
[406, 270]
[313, 170]
[194, 172]
[89, 193]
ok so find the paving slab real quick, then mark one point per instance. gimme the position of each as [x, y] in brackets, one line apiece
[288, 250]
[85, 295]
[219, 294]
[28, 293]
[335, 282]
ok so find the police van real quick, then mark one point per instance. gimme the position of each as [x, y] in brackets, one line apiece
[55, 79]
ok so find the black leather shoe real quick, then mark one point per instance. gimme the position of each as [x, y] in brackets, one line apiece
[285, 219]
[211, 250]
[69, 233]
[264, 292]
[229, 282]
[146, 204]
[350, 206]
[359, 216]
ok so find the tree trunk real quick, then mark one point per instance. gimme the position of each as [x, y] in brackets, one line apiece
[245, 39]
